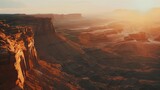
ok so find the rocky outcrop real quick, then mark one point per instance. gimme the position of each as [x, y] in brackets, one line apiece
[17, 55]
[138, 37]
[25, 71]
[97, 36]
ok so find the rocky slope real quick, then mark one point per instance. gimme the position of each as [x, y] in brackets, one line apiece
[55, 48]
[122, 62]
[19, 63]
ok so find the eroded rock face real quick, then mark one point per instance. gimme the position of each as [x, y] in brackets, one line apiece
[97, 36]
[138, 37]
[34, 75]
[17, 55]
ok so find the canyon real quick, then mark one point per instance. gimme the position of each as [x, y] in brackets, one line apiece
[36, 54]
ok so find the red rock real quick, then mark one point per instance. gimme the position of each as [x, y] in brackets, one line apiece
[138, 37]
[16, 51]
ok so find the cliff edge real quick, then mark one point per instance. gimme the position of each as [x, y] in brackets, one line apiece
[17, 55]
[19, 63]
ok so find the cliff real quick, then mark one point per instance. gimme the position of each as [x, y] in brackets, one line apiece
[50, 46]
[18, 58]
[17, 54]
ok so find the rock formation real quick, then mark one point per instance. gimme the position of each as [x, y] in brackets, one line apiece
[138, 37]
[18, 57]
[17, 54]
[96, 36]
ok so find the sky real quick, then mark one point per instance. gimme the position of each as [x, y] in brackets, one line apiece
[74, 6]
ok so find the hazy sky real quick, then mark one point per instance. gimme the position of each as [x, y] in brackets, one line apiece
[74, 6]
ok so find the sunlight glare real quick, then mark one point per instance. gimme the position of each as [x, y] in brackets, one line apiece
[144, 5]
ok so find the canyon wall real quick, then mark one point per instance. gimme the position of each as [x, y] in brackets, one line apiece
[17, 55]
[18, 58]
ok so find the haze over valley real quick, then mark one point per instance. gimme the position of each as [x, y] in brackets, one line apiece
[80, 45]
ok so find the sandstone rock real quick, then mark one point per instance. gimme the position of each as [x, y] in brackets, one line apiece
[25, 71]
[138, 37]
[16, 52]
